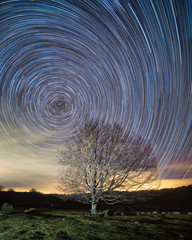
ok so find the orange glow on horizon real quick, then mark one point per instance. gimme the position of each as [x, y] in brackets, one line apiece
[174, 183]
[164, 183]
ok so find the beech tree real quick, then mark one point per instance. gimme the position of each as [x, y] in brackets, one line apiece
[101, 160]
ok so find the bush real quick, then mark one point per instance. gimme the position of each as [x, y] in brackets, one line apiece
[6, 208]
[101, 214]
[110, 213]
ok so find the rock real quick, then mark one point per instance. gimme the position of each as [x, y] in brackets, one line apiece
[163, 213]
[181, 236]
[155, 212]
[175, 213]
[136, 222]
[189, 213]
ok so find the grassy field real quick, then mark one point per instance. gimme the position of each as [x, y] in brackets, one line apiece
[74, 225]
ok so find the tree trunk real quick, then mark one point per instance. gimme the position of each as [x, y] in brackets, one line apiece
[93, 193]
[93, 208]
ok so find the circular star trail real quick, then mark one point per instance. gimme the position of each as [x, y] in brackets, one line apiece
[122, 61]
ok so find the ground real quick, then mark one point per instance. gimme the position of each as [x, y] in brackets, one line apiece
[76, 225]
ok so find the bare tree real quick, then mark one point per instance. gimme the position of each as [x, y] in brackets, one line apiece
[102, 160]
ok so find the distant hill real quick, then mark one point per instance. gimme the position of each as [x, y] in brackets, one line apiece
[37, 200]
[173, 199]
[177, 199]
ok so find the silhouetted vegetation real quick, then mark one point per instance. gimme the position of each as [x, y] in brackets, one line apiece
[178, 199]
[11, 190]
[37, 200]
[33, 190]
[2, 188]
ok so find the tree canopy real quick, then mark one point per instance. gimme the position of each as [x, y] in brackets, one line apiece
[101, 160]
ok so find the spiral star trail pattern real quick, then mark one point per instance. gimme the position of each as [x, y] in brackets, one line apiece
[126, 61]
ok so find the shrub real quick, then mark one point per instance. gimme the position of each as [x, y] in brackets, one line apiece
[110, 213]
[6, 208]
[101, 214]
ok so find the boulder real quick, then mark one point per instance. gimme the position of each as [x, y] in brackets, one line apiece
[175, 213]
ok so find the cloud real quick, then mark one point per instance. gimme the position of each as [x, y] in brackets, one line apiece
[42, 180]
[4, 170]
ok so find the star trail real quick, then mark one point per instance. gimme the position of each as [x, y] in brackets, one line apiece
[64, 61]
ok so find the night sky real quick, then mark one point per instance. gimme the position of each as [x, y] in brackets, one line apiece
[62, 62]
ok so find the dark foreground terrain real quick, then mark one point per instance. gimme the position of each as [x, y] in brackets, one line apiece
[76, 225]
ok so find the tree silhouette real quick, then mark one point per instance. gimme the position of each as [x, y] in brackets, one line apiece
[10, 190]
[33, 190]
[2, 188]
[101, 160]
